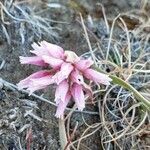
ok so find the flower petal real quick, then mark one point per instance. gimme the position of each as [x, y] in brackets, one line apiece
[53, 62]
[78, 96]
[88, 91]
[32, 60]
[62, 105]
[47, 49]
[39, 83]
[33, 88]
[53, 50]
[64, 72]
[61, 91]
[97, 76]
[39, 50]
[27, 81]
[43, 81]
[83, 64]
[71, 57]
[76, 77]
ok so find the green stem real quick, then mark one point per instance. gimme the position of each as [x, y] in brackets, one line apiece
[124, 84]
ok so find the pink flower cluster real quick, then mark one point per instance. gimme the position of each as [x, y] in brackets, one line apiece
[67, 72]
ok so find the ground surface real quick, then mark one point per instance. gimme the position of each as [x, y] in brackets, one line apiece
[22, 23]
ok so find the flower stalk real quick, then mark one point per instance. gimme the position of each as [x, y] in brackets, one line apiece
[62, 134]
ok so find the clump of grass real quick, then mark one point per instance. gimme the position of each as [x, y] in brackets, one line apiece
[122, 114]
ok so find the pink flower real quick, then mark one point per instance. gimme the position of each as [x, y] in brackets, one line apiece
[68, 73]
